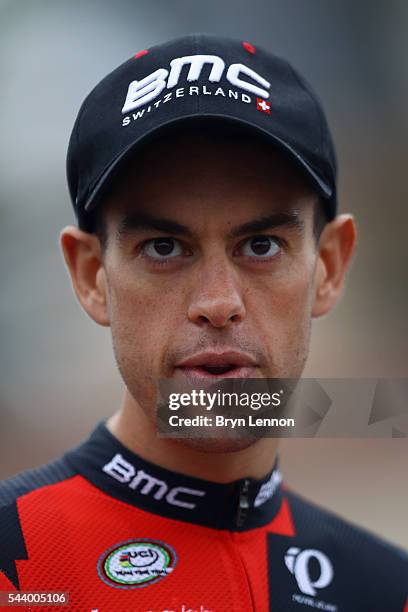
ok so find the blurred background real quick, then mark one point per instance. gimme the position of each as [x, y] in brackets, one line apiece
[57, 375]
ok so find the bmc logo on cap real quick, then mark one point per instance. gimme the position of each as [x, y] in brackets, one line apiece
[147, 89]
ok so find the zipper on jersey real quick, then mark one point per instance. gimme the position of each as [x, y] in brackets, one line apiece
[243, 503]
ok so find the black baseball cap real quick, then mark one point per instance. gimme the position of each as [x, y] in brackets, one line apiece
[197, 77]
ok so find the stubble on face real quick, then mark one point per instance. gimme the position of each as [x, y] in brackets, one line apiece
[209, 190]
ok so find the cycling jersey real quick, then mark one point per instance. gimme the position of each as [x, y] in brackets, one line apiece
[120, 534]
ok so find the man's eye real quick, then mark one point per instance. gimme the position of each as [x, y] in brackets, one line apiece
[162, 248]
[261, 246]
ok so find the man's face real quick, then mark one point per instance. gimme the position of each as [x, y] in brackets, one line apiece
[209, 265]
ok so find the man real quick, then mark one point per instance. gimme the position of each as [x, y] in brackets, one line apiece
[203, 178]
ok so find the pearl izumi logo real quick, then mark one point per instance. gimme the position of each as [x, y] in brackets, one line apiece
[298, 562]
[136, 563]
[145, 91]
[146, 484]
[313, 570]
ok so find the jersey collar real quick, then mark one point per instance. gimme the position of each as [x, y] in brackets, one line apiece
[237, 506]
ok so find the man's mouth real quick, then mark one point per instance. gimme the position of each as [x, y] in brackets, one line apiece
[217, 370]
[211, 365]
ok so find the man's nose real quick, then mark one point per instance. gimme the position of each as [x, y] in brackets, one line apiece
[217, 297]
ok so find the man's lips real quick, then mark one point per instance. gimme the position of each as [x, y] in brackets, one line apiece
[211, 365]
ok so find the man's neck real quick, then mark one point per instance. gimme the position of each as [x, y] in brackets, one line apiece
[217, 463]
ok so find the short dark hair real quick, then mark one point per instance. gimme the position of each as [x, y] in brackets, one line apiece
[320, 218]
[100, 227]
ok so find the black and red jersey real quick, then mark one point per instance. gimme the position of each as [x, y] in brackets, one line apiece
[120, 534]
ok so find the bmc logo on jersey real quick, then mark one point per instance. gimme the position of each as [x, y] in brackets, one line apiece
[298, 563]
[146, 484]
[151, 86]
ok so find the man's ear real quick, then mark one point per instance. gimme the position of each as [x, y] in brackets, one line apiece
[83, 256]
[336, 246]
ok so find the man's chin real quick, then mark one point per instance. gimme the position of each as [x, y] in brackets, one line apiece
[217, 445]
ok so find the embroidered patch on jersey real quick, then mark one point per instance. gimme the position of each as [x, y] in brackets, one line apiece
[136, 563]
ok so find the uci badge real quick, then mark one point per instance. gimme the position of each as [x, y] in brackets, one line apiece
[136, 563]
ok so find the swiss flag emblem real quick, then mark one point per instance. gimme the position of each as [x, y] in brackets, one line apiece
[263, 106]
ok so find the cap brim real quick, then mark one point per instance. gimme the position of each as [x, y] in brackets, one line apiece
[113, 168]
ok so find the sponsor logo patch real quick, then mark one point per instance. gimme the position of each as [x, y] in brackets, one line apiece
[136, 563]
[299, 564]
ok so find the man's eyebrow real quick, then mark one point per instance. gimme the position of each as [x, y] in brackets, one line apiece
[279, 219]
[143, 221]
